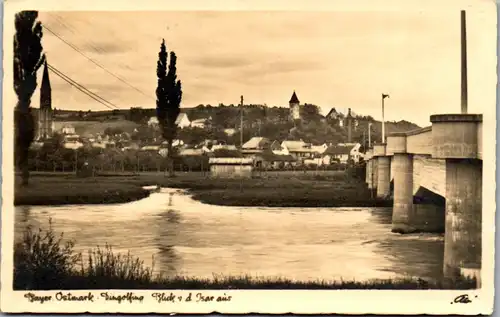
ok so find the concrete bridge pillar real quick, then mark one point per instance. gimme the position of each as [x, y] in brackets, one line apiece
[456, 139]
[403, 193]
[463, 216]
[383, 177]
[382, 172]
[374, 172]
[369, 168]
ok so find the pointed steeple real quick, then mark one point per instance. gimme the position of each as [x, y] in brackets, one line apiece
[294, 98]
[45, 89]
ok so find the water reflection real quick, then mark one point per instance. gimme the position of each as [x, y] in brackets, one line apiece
[187, 237]
[167, 228]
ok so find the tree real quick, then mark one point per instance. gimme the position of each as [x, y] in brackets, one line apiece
[28, 58]
[310, 112]
[168, 99]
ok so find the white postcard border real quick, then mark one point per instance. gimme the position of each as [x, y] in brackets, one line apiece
[252, 301]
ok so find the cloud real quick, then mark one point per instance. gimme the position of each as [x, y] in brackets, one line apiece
[106, 47]
[338, 58]
[223, 61]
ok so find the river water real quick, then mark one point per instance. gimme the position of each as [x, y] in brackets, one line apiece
[178, 235]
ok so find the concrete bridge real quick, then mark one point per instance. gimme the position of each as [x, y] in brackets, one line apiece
[434, 175]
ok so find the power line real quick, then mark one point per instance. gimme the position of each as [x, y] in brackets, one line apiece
[96, 63]
[82, 88]
[73, 30]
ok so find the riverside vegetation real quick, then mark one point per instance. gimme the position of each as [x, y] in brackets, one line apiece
[44, 261]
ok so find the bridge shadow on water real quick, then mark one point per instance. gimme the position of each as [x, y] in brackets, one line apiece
[410, 254]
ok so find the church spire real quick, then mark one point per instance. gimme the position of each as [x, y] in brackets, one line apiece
[45, 89]
[294, 98]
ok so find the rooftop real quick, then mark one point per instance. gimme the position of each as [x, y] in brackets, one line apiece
[294, 98]
[256, 143]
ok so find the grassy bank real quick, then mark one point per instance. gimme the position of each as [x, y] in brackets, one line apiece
[43, 261]
[70, 190]
[331, 189]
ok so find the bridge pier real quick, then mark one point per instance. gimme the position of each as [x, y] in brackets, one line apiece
[457, 139]
[383, 177]
[369, 168]
[463, 216]
[383, 180]
[403, 194]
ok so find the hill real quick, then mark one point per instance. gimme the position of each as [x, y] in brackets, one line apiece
[259, 120]
[87, 128]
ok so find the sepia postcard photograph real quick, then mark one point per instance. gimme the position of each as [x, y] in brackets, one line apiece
[301, 157]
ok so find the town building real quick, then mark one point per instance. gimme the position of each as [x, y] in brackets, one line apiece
[230, 131]
[182, 120]
[300, 150]
[153, 122]
[332, 114]
[200, 123]
[68, 129]
[72, 141]
[231, 167]
[255, 148]
[256, 145]
[343, 153]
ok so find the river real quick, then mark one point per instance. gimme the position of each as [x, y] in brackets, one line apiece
[181, 236]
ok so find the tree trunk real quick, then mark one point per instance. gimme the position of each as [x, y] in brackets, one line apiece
[170, 161]
[25, 174]
[24, 135]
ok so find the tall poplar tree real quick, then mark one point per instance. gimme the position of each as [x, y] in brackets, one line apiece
[168, 99]
[28, 58]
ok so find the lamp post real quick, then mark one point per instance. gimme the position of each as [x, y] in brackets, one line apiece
[383, 120]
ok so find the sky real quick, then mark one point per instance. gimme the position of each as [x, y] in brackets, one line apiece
[341, 59]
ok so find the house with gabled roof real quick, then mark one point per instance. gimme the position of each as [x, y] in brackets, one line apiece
[256, 145]
[343, 152]
[332, 114]
[182, 120]
[298, 149]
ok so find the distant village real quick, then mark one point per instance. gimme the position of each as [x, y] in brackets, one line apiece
[115, 134]
[263, 151]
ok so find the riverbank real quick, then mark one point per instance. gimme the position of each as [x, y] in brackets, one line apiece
[329, 189]
[64, 191]
[42, 261]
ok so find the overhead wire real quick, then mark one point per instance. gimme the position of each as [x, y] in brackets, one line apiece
[81, 88]
[94, 62]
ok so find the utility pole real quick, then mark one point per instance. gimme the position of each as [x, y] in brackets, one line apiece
[241, 123]
[369, 134]
[241, 145]
[383, 119]
[371, 180]
[464, 61]
[364, 140]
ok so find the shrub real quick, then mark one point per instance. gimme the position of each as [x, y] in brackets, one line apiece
[104, 268]
[42, 260]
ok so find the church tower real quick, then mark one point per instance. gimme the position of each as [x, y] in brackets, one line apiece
[294, 107]
[45, 114]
